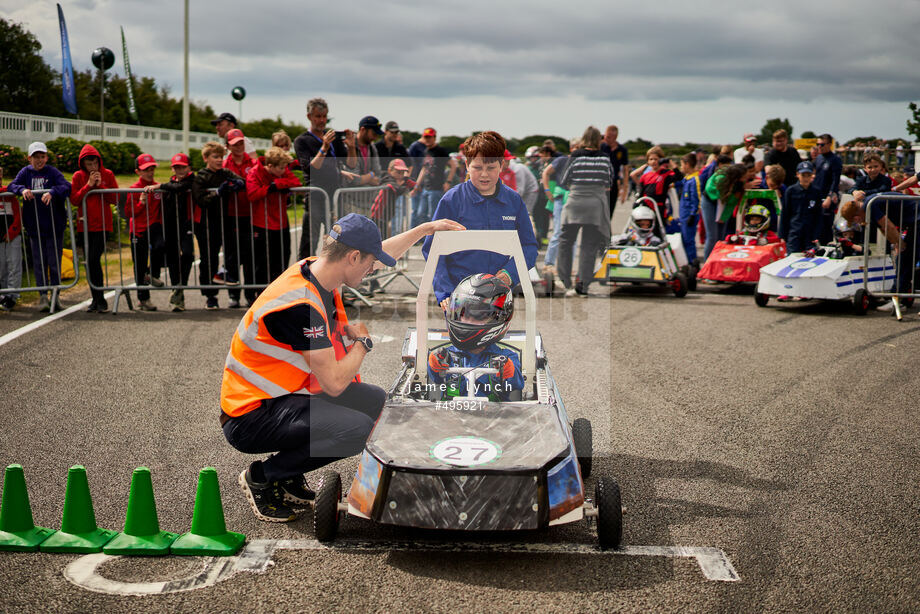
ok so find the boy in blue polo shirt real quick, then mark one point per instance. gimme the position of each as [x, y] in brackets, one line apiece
[482, 203]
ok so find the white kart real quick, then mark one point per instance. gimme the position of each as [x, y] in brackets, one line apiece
[826, 277]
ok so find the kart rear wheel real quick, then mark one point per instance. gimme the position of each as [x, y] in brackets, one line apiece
[691, 277]
[609, 513]
[861, 302]
[679, 285]
[549, 282]
[761, 299]
[326, 514]
[583, 439]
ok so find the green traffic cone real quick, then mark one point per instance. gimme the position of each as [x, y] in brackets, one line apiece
[142, 534]
[79, 533]
[18, 532]
[209, 534]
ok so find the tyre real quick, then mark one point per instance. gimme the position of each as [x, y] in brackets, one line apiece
[691, 277]
[761, 299]
[861, 302]
[584, 445]
[679, 285]
[609, 513]
[326, 507]
[549, 282]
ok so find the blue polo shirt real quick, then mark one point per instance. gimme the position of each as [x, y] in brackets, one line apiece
[505, 210]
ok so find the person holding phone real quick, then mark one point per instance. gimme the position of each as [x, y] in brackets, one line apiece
[319, 151]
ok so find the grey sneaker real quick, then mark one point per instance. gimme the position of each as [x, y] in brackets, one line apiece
[297, 492]
[265, 498]
[44, 305]
[177, 300]
[146, 305]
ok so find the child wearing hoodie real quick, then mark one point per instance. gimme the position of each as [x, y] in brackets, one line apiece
[94, 217]
[10, 248]
[44, 218]
[146, 229]
[267, 187]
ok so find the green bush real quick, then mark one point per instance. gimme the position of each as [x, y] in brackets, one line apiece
[116, 160]
[130, 152]
[195, 160]
[64, 153]
[12, 159]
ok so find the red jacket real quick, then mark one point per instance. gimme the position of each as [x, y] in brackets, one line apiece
[239, 206]
[143, 215]
[9, 205]
[98, 207]
[269, 208]
[509, 178]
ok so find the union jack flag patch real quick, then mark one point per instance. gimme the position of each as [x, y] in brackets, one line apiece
[315, 332]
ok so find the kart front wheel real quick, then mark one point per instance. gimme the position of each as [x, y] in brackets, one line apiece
[761, 299]
[861, 302]
[609, 513]
[583, 439]
[326, 507]
[679, 285]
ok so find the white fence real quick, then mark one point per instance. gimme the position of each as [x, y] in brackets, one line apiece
[19, 130]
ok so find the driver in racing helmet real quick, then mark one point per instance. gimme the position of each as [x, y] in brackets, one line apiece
[478, 316]
[756, 228]
[641, 230]
[849, 237]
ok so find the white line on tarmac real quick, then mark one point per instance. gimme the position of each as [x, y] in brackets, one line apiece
[257, 558]
[28, 328]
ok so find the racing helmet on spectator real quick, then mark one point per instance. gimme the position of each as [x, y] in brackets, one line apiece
[752, 226]
[642, 214]
[479, 312]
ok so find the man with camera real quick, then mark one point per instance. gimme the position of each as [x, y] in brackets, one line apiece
[319, 150]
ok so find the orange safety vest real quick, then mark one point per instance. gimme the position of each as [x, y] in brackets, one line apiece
[259, 367]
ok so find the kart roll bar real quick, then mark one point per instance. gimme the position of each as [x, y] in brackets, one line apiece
[504, 242]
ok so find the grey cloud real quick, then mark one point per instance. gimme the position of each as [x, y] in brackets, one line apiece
[599, 50]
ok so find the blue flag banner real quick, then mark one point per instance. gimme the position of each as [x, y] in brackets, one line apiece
[132, 109]
[70, 97]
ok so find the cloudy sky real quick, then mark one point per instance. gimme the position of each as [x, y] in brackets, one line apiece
[667, 71]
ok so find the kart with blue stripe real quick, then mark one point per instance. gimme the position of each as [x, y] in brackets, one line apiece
[469, 464]
[827, 275]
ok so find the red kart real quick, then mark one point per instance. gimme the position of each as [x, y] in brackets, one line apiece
[739, 258]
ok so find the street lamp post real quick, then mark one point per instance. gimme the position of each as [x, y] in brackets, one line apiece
[238, 94]
[103, 59]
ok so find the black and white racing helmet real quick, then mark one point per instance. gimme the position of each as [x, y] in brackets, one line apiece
[479, 311]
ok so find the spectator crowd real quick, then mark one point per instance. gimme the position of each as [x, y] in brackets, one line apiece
[236, 207]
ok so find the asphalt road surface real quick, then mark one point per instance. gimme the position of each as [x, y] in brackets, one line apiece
[786, 438]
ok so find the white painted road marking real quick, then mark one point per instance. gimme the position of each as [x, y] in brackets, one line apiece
[257, 558]
[19, 332]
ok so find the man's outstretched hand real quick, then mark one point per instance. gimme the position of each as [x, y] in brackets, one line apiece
[442, 224]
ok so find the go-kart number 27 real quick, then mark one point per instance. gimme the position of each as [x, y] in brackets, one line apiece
[465, 451]
[630, 256]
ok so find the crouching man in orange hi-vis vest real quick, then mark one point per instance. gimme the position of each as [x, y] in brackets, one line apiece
[291, 383]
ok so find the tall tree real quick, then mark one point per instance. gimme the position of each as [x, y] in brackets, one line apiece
[772, 125]
[26, 82]
[913, 126]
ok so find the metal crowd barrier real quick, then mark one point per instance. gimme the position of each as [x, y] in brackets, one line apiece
[391, 214]
[37, 255]
[906, 262]
[211, 251]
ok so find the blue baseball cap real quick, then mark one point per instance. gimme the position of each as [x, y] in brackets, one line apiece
[805, 167]
[361, 233]
[371, 122]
